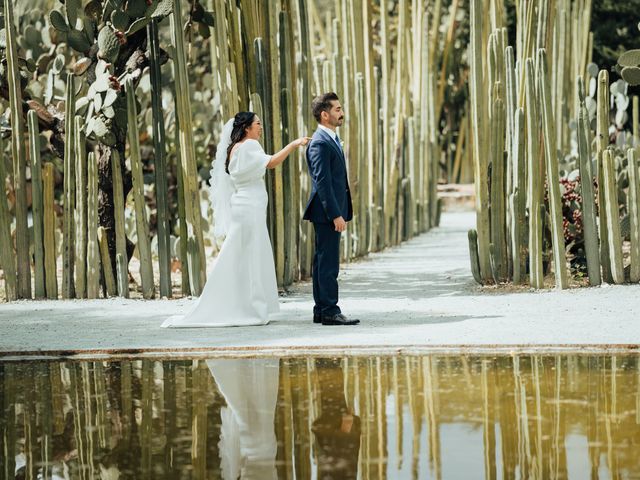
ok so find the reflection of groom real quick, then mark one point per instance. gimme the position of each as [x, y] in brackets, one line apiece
[337, 429]
[329, 207]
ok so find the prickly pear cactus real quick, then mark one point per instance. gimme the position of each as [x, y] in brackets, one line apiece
[629, 63]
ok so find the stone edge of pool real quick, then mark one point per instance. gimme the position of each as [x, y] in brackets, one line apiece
[315, 351]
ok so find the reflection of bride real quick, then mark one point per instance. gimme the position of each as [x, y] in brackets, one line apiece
[248, 444]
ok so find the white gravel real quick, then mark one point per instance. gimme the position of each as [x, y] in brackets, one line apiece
[416, 296]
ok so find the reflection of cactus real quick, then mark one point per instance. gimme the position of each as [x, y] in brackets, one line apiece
[586, 185]
[551, 158]
[613, 218]
[142, 227]
[18, 154]
[37, 205]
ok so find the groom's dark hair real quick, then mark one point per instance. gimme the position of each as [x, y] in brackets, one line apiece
[322, 103]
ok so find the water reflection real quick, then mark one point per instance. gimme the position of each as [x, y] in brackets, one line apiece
[510, 417]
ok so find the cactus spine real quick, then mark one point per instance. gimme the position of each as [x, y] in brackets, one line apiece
[187, 150]
[18, 154]
[551, 157]
[122, 274]
[93, 250]
[142, 227]
[160, 162]
[613, 216]
[81, 208]
[49, 224]
[7, 259]
[68, 223]
[37, 205]
[586, 186]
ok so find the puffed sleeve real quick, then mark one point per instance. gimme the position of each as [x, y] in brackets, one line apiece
[250, 160]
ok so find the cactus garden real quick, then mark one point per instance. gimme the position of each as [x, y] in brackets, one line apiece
[110, 111]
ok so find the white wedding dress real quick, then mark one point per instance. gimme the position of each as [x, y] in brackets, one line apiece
[241, 287]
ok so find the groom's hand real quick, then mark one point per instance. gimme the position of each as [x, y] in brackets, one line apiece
[340, 224]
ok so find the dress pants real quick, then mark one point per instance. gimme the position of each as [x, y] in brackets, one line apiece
[326, 265]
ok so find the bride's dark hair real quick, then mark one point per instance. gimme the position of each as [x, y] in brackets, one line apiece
[241, 122]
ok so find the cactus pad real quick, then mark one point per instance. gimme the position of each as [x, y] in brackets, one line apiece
[77, 40]
[631, 75]
[120, 20]
[58, 21]
[630, 58]
[108, 44]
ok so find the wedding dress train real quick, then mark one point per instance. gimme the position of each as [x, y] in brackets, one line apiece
[241, 287]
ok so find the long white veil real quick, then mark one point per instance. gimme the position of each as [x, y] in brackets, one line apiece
[221, 188]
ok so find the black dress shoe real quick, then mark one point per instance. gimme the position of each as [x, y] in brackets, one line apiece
[317, 318]
[338, 319]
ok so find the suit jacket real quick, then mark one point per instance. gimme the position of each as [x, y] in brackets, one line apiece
[330, 195]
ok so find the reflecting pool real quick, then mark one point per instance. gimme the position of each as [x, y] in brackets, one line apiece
[380, 417]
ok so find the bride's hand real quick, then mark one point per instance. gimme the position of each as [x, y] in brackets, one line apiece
[302, 141]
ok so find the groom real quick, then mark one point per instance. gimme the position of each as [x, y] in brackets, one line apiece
[329, 207]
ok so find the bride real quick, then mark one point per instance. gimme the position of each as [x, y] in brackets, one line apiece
[241, 287]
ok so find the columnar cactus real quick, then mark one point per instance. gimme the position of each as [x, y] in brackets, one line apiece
[634, 210]
[37, 205]
[613, 218]
[18, 154]
[80, 159]
[160, 162]
[7, 259]
[122, 273]
[602, 142]
[49, 224]
[142, 226]
[107, 271]
[93, 250]
[68, 221]
[551, 160]
[518, 224]
[535, 175]
[586, 185]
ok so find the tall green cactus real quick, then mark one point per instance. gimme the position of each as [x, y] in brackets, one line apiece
[551, 160]
[80, 160]
[519, 227]
[49, 224]
[535, 175]
[478, 122]
[93, 249]
[142, 227]
[7, 259]
[122, 273]
[18, 154]
[37, 204]
[107, 270]
[613, 216]
[160, 162]
[498, 189]
[602, 142]
[586, 185]
[187, 150]
[68, 221]
[634, 210]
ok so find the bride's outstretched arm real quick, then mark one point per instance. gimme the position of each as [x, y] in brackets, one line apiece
[279, 157]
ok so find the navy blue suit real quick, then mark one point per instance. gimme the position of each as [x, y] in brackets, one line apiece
[330, 198]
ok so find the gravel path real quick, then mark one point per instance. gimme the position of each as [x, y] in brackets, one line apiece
[410, 298]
